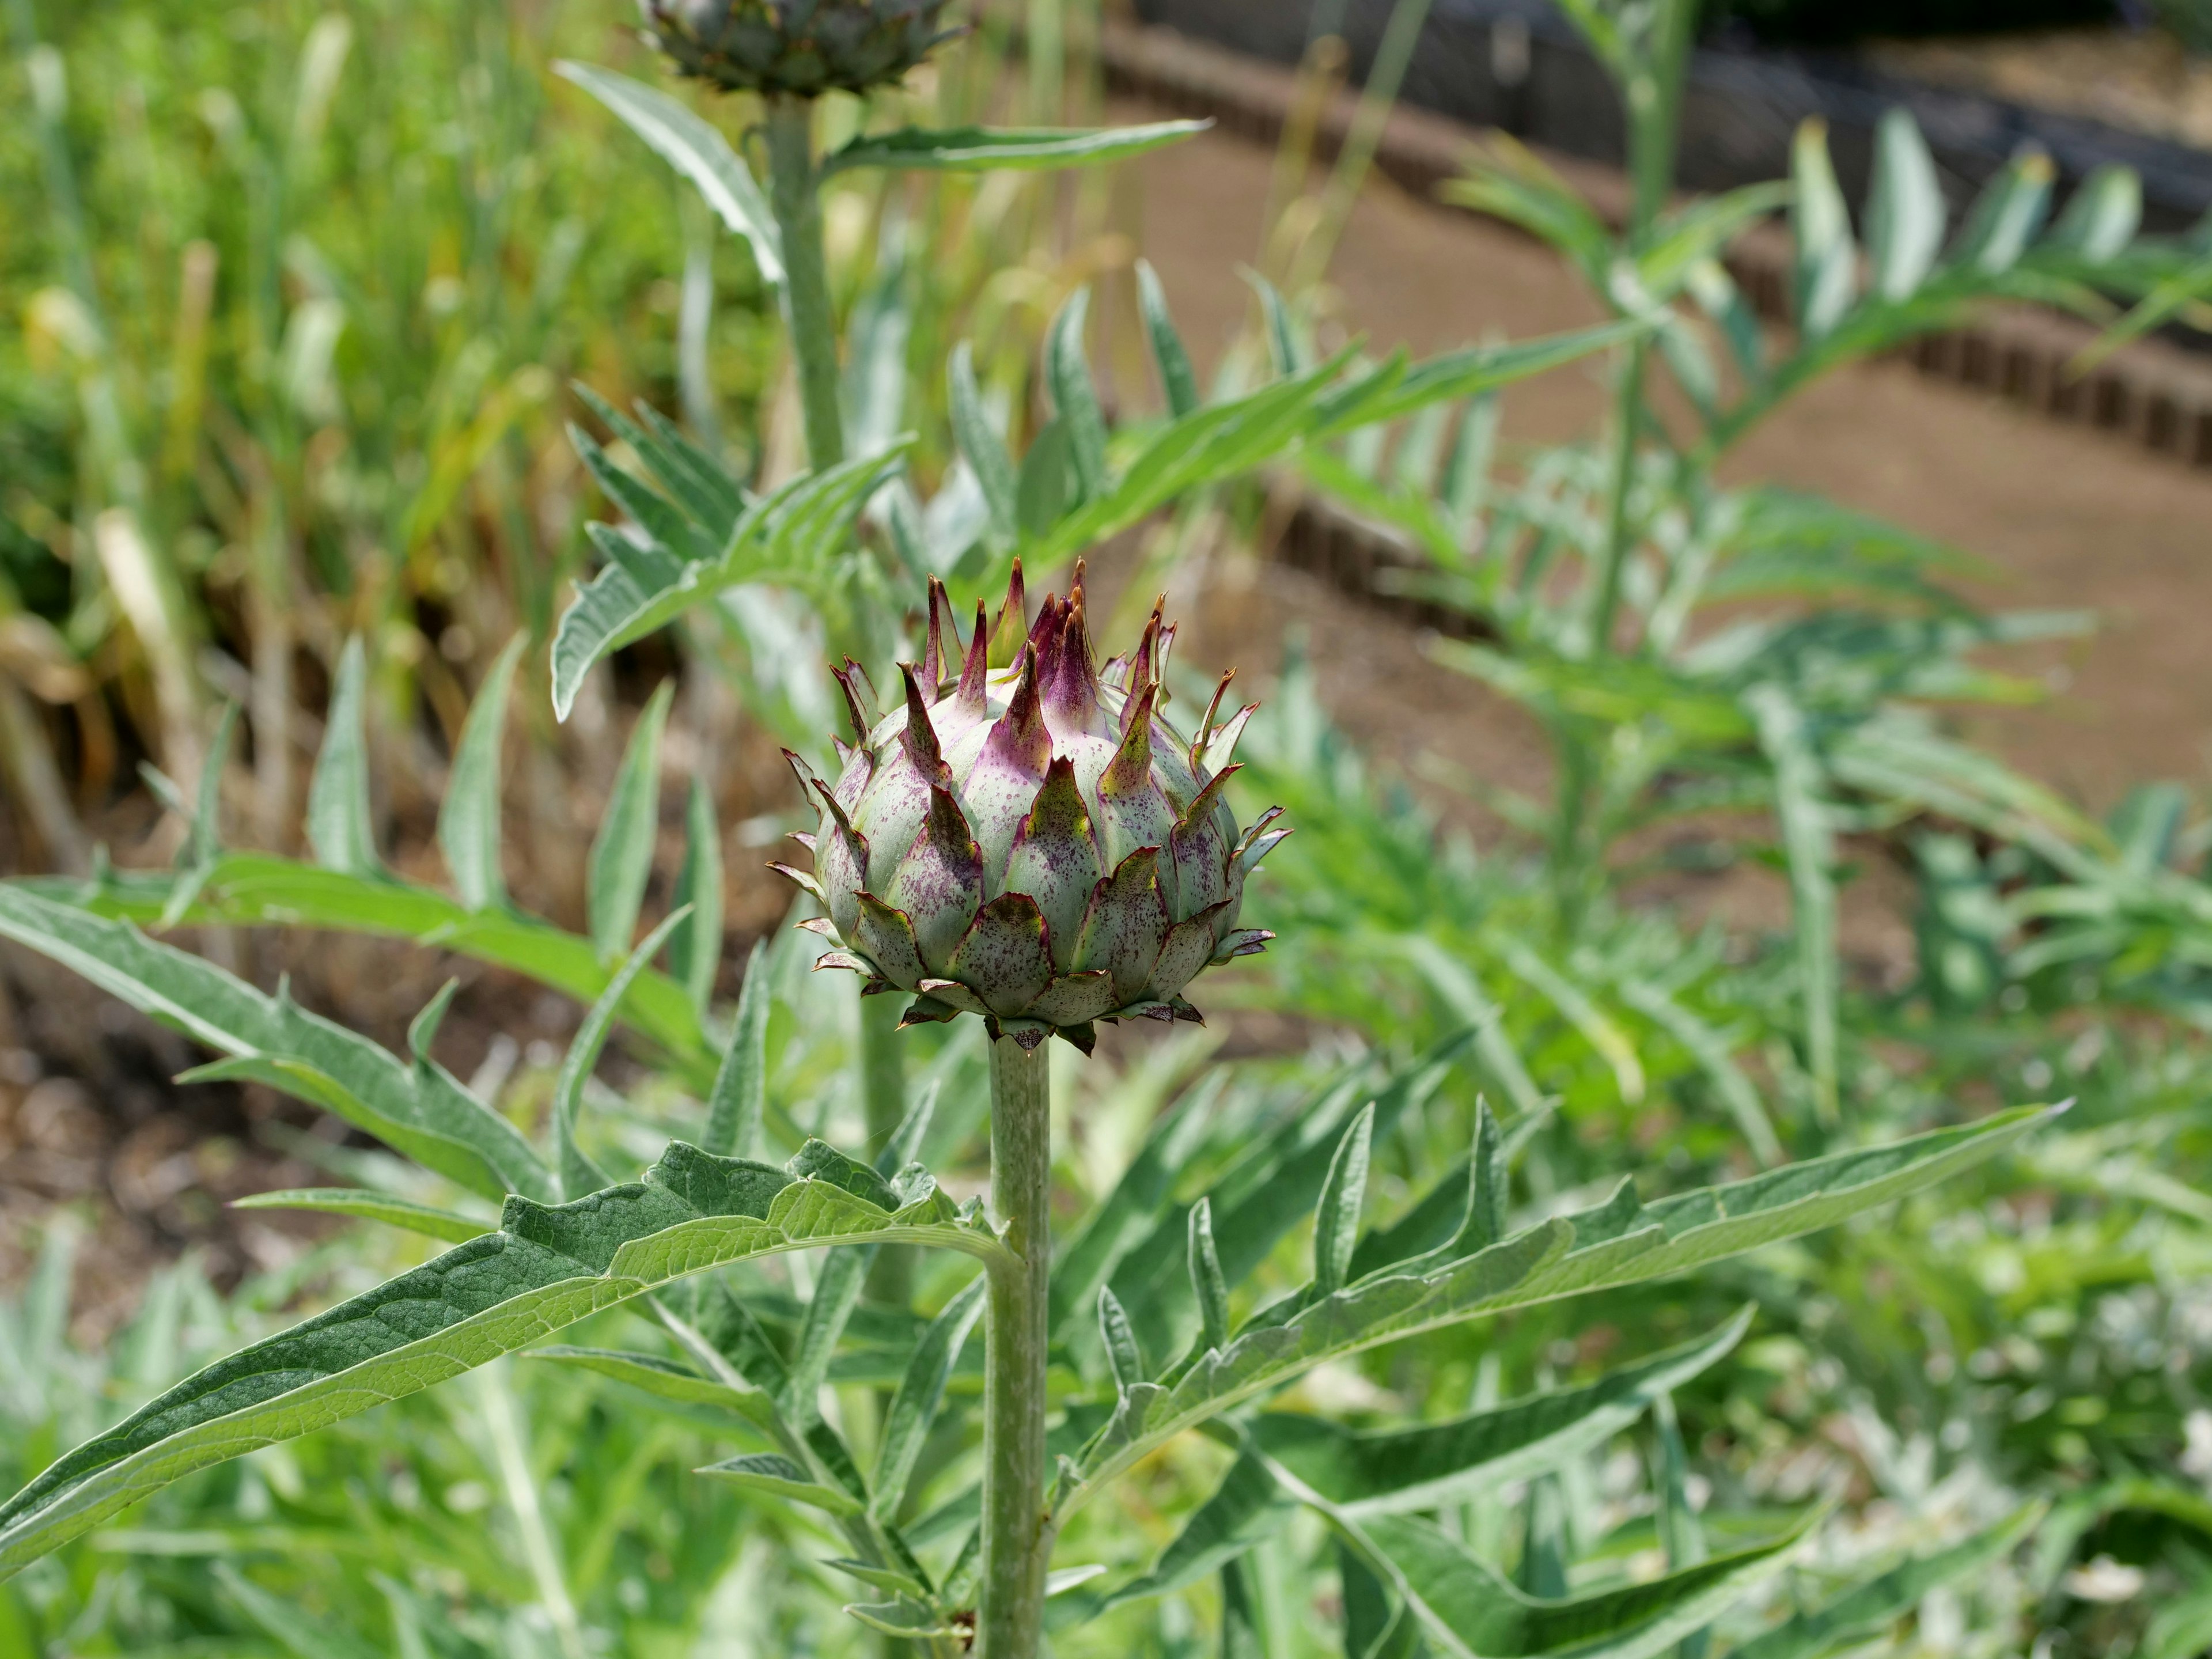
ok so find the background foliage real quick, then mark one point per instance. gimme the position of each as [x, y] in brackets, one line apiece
[300, 301]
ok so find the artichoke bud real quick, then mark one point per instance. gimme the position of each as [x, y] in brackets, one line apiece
[801, 47]
[1023, 837]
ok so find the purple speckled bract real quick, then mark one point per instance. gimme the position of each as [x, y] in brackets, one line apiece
[801, 47]
[1023, 837]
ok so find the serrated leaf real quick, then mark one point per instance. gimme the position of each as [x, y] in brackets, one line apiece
[1267, 1192]
[621, 852]
[1470, 1612]
[547, 1268]
[1247, 1508]
[1125, 1356]
[1390, 1470]
[1207, 1286]
[776, 1476]
[996, 149]
[666, 1380]
[1620, 1242]
[740, 1093]
[980, 442]
[1862, 1610]
[1343, 1195]
[339, 824]
[914, 1409]
[695, 149]
[787, 538]
[694, 949]
[837, 1292]
[1906, 211]
[673, 540]
[698, 483]
[418, 1111]
[469, 816]
[252, 889]
[905, 1618]
[1075, 398]
[360, 1202]
[1178, 380]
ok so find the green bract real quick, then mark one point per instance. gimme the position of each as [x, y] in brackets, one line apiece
[800, 47]
[1026, 838]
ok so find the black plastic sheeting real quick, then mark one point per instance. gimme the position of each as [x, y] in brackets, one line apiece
[1518, 66]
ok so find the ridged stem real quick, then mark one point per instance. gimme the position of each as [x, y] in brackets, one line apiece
[1017, 1537]
[795, 194]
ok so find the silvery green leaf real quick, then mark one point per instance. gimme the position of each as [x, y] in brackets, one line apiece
[577, 1173]
[1178, 380]
[914, 1409]
[694, 949]
[775, 1476]
[1866, 1607]
[740, 1092]
[1826, 260]
[1125, 1358]
[1075, 398]
[469, 816]
[1248, 1507]
[994, 149]
[695, 149]
[979, 440]
[1469, 1612]
[339, 824]
[547, 1268]
[417, 1111]
[1343, 1194]
[2102, 217]
[2006, 215]
[252, 889]
[1381, 1471]
[1207, 1286]
[789, 539]
[621, 852]
[360, 1201]
[1905, 211]
[698, 1398]
[1622, 1242]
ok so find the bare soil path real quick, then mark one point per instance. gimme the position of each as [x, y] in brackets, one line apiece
[2066, 518]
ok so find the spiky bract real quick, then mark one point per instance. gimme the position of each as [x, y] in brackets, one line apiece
[1025, 837]
[801, 47]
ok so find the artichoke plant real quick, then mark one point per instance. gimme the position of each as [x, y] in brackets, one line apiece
[800, 47]
[1025, 837]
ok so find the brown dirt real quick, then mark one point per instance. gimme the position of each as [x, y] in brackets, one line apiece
[2145, 80]
[2066, 518]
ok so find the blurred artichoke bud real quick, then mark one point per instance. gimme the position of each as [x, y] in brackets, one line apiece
[803, 47]
[1026, 838]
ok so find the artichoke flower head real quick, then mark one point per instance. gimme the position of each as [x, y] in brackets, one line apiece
[1025, 837]
[800, 47]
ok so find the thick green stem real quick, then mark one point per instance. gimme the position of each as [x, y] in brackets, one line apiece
[794, 192]
[1017, 1533]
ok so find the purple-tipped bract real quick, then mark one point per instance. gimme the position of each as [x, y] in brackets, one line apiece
[1023, 837]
